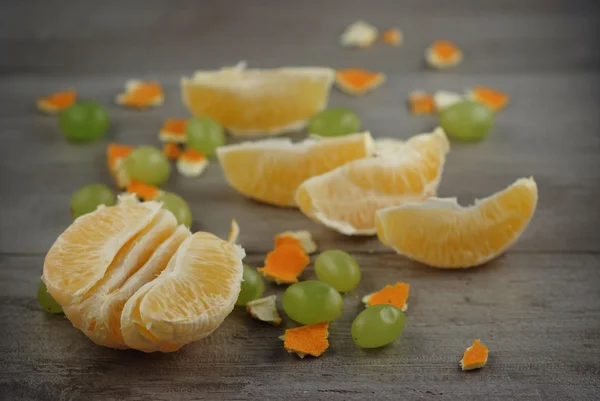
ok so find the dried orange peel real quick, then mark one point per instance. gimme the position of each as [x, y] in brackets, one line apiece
[173, 130]
[143, 191]
[285, 263]
[444, 99]
[475, 356]
[443, 54]
[396, 295]
[57, 102]
[301, 238]
[265, 310]
[357, 81]
[192, 163]
[421, 102]
[141, 95]
[171, 150]
[492, 98]
[116, 155]
[359, 34]
[234, 232]
[393, 37]
[307, 340]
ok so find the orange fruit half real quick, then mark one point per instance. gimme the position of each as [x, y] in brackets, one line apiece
[346, 199]
[271, 170]
[441, 233]
[258, 102]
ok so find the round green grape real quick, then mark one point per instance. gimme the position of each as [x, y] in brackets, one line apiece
[204, 135]
[176, 205]
[335, 121]
[46, 301]
[252, 286]
[467, 120]
[338, 269]
[87, 199]
[148, 165]
[377, 326]
[84, 121]
[311, 302]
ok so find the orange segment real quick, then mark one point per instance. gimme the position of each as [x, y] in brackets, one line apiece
[346, 199]
[173, 130]
[265, 310]
[143, 191]
[475, 356]
[141, 95]
[172, 150]
[443, 54]
[396, 295]
[420, 102]
[57, 101]
[284, 264]
[493, 98]
[393, 37]
[302, 239]
[307, 340]
[116, 154]
[271, 170]
[356, 81]
[258, 102]
[440, 233]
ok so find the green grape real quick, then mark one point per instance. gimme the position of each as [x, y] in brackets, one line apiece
[87, 198]
[467, 120]
[148, 165]
[377, 326]
[335, 121]
[338, 269]
[311, 302]
[84, 121]
[252, 286]
[46, 301]
[204, 135]
[176, 205]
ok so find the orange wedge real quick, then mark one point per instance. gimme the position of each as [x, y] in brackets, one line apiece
[173, 131]
[440, 233]
[141, 95]
[346, 199]
[271, 170]
[57, 102]
[356, 81]
[475, 356]
[443, 54]
[258, 102]
[492, 98]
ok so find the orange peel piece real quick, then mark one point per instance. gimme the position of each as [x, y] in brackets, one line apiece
[141, 95]
[421, 102]
[307, 340]
[57, 102]
[171, 150]
[494, 99]
[359, 34]
[285, 263]
[143, 191]
[300, 238]
[173, 130]
[192, 163]
[265, 310]
[443, 54]
[395, 295]
[444, 99]
[357, 81]
[116, 155]
[234, 232]
[475, 356]
[393, 37]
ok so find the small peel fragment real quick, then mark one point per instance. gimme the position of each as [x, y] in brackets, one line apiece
[301, 238]
[285, 263]
[141, 95]
[393, 37]
[421, 102]
[494, 99]
[143, 191]
[358, 81]
[443, 54]
[171, 150]
[359, 34]
[395, 295]
[475, 356]
[265, 310]
[116, 155]
[173, 130]
[57, 102]
[307, 340]
[192, 163]
[234, 232]
[444, 99]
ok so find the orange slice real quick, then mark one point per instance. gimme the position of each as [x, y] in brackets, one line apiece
[258, 102]
[301, 238]
[492, 98]
[57, 102]
[393, 37]
[192, 163]
[440, 233]
[284, 264]
[396, 295]
[116, 155]
[420, 102]
[346, 199]
[265, 310]
[141, 95]
[234, 232]
[143, 191]
[173, 131]
[356, 81]
[475, 356]
[443, 54]
[307, 340]
[172, 150]
[271, 170]
[359, 34]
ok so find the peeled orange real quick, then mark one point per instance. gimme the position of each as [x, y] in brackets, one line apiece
[440, 233]
[258, 102]
[271, 170]
[346, 199]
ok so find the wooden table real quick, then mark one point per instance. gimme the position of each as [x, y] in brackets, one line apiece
[537, 307]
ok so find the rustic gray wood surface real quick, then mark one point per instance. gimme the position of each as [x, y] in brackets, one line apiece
[537, 307]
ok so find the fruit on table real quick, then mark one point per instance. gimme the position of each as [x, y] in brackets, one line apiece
[250, 102]
[311, 302]
[252, 286]
[46, 301]
[441, 233]
[377, 326]
[204, 135]
[467, 120]
[148, 165]
[129, 277]
[338, 269]
[176, 205]
[87, 199]
[346, 198]
[84, 121]
[334, 121]
[271, 170]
